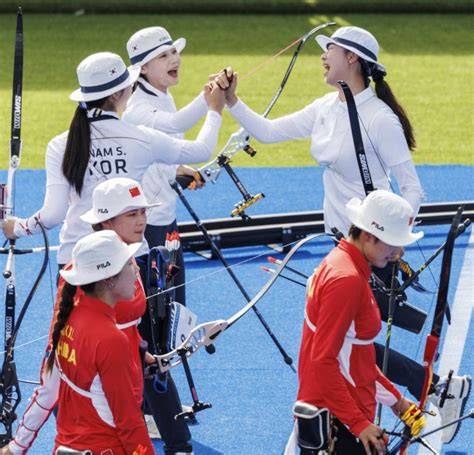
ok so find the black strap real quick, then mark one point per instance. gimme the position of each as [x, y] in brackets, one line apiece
[142, 87]
[101, 117]
[357, 138]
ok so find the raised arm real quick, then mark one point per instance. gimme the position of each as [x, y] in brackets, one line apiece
[298, 125]
[169, 150]
[168, 122]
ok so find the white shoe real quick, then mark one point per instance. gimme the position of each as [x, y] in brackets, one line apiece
[453, 407]
[153, 431]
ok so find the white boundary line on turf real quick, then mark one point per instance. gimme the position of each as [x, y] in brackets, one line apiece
[453, 348]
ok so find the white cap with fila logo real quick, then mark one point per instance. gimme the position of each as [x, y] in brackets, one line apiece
[114, 197]
[386, 216]
[98, 256]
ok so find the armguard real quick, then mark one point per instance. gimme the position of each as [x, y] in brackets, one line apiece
[314, 426]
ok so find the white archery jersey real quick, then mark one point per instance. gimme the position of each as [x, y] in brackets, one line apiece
[326, 122]
[118, 149]
[153, 108]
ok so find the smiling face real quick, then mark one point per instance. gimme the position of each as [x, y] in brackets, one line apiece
[130, 226]
[336, 63]
[163, 71]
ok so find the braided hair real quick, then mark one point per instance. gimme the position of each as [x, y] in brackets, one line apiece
[384, 92]
[66, 306]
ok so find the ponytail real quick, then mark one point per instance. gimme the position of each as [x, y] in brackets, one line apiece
[76, 154]
[384, 92]
[66, 306]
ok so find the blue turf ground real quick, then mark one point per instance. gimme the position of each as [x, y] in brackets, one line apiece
[250, 387]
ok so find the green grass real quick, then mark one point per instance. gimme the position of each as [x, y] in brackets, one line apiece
[429, 59]
[239, 6]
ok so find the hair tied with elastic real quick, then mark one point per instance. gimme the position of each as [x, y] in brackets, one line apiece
[378, 75]
[83, 105]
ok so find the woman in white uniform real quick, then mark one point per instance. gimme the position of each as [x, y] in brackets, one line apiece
[349, 55]
[99, 146]
[159, 59]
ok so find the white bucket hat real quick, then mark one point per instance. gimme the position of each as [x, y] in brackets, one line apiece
[98, 256]
[147, 43]
[102, 74]
[354, 39]
[114, 197]
[385, 215]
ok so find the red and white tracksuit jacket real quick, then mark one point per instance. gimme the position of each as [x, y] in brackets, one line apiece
[43, 400]
[337, 367]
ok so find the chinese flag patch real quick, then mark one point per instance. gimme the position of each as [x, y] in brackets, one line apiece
[134, 191]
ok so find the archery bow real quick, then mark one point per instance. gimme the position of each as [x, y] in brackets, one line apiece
[240, 140]
[9, 384]
[432, 340]
[206, 333]
[10, 391]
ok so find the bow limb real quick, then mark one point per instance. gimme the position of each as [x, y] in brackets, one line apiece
[302, 42]
[240, 140]
[272, 279]
[206, 333]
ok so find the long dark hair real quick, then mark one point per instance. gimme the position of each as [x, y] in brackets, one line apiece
[76, 154]
[66, 306]
[384, 92]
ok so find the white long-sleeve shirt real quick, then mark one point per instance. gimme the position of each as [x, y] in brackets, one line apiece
[151, 107]
[326, 122]
[118, 149]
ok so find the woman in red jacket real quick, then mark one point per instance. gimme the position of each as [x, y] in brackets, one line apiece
[125, 205]
[337, 370]
[97, 411]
